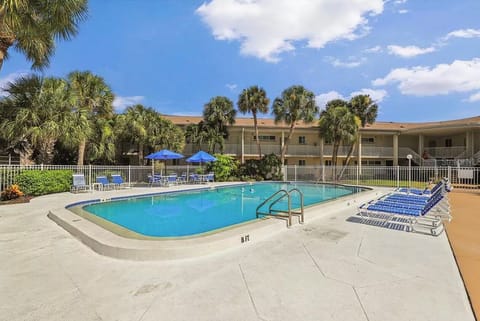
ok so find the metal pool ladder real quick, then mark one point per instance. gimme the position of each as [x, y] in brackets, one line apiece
[284, 214]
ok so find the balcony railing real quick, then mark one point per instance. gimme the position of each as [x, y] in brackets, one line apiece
[445, 152]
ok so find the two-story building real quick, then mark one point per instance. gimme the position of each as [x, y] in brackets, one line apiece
[449, 142]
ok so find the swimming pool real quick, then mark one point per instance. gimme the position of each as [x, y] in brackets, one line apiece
[199, 211]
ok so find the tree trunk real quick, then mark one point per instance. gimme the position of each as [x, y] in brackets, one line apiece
[334, 159]
[256, 136]
[349, 156]
[26, 155]
[46, 151]
[285, 143]
[81, 152]
[140, 154]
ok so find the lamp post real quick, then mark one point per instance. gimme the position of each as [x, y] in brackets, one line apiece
[409, 157]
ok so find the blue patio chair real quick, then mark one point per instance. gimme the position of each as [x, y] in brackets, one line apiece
[210, 177]
[171, 179]
[104, 184]
[156, 179]
[194, 179]
[79, 184]
[118, 181]
[442, 184]
[412, 210]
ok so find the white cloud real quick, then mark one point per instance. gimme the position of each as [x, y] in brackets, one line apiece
[474, 97]
[9, 79]
[400, 1]
[232, 87]
[266, 28]
[402, 11]
[375, 49]
[408, 51]
[324, 98]
[120, 103]
[463, 33]
[352, 62]
[376, 94]
[459, 76]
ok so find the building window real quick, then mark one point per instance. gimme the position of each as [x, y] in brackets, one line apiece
[302, 162]
[448, 142]
[264, 138]
[328, 163]
[301, 140]
[368, 140]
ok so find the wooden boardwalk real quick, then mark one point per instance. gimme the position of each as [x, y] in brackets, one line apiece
[464, 235]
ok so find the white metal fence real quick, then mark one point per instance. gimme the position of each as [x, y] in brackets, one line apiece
[392, 176]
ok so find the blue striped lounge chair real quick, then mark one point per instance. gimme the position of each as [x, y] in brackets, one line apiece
[104, 184]
[118, 181]
[416, 212]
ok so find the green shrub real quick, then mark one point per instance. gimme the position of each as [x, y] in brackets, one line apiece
[267, 168]
[224, 168]
[36, 182]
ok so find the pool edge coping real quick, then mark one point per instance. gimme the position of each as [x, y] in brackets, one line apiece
[109, 244]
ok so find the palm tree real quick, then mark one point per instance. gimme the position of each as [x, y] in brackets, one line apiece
[338, 125]
[32, 27]
[295, 104]
[92, 99]
[39, 115]
[218, 114]
[365, 111]
[134, 125]
[165, 134]
[254, 100]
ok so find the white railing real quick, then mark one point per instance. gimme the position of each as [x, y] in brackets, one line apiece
[445, 152]
[389, 176]
[392, 176]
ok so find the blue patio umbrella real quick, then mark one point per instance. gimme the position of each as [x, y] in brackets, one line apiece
[164, 155]
[201, 157]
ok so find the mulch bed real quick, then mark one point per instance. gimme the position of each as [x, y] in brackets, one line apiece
[23, 199]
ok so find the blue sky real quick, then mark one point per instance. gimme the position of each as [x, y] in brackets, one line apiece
[420, 59]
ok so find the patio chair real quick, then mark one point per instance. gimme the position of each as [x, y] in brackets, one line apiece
[416, 212]
[210, 177]
[103, 183]
[79, 184]
[156, 179]
[442, 184]
[171, 179]
[118, 181]
[194, 179]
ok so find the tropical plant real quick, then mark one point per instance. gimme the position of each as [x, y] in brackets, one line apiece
[338, 125]
[39, 114]
[218, 114]
[295, 104]
[32, 27]
[225, 167]
[92, 105]
[146, 128]
[11, 193]
[365, 110]
[254, 100]
[134, 125]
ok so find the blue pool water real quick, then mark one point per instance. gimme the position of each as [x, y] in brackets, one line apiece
[194, 212]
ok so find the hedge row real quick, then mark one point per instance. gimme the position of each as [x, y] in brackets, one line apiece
[37, 183]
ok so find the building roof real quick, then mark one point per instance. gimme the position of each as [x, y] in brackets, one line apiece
[377, 126]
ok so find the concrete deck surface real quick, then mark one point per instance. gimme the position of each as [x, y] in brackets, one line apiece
[464, 235]
[327, 269]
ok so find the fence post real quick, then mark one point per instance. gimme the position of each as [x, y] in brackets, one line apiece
[90, 175]
[398, 176]
[357, 174]
[323, 173]
[129, 177]
[449, 174]
[41, 167]
[285, 172]
[295, 172]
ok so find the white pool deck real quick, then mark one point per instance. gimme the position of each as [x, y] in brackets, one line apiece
[327, 269]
